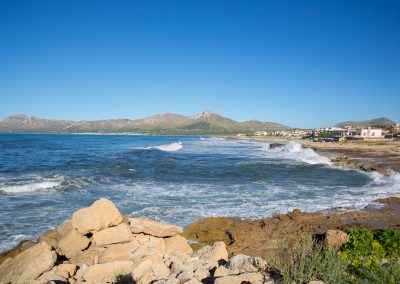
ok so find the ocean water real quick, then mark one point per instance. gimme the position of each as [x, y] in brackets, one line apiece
[44, 178]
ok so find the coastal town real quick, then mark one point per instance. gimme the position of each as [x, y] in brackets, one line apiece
[335, 134]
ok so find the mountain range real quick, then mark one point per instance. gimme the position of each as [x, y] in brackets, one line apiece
[381, 121]
[206, 122]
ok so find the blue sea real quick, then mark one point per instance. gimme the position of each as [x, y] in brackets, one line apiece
[44, 178]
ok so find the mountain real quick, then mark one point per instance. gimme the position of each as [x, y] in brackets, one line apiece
[206, 122]
[380, 121]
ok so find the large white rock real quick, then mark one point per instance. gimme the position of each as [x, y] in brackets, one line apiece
[244, 263]
[100, 273]
[100, 215]
[153, 228]
[113, 235]
[29, 264]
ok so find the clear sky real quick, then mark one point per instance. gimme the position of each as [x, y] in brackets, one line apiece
[301, 63]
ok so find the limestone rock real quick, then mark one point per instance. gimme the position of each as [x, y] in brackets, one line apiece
[214, 253]
[254, 278]
[118, 252]
[336, 238]
[244, 263]
[177, 243]
[316, 282]
[72, 243]
[153, 228]
[88, 256]
[50, 276]
[29, 264]
[49, 237]
[100, 273]
[66, 270]
[12, 253]
[113, 235]
[100, 215]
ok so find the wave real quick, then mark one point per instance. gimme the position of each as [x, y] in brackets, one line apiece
[175, 146]
[296, 151]
[31, 186]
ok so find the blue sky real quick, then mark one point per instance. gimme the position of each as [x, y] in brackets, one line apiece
[301, 63]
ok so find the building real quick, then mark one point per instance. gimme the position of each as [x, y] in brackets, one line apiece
[260, 133]
[369, 134]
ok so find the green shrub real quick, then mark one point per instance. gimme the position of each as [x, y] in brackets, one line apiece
[369, 249]
[304, 260]
[386, 274]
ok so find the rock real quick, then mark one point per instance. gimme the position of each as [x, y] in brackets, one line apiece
[160, 270]
[12, 253]
[336, 238]
[244, 263]
[316, 282]
[214, 253]
[113, 235]
[153, 228]
[72, 243]
[201, 274]
[100, 215]
[87, 256]
[118, 252]
[193, 281]
[144, 267]
[51, 276]
[177, 243]
[100, 273]
[29, 264]
[254, 278]
[223, 271]
[49, 237]
[66, 270]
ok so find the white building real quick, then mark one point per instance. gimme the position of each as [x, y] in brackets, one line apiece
[369, 133]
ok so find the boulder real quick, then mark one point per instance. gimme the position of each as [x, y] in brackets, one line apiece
[100, 273]
[22, 246]
[177, 243]
[49, 237]
[244, 263]
[214, 253]
[51, 277]
[72, 243]
[29, 264]
[254, 278]
[153, 228]
[336, 238]
[66, 270]
[100, 215]
[113, 235]
[119, 252]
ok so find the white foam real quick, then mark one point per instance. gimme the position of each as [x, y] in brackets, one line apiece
[176, 146]
[31, 187]
[295, 151]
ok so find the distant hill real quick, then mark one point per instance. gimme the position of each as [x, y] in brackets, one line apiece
[381, 121]
[206, 122]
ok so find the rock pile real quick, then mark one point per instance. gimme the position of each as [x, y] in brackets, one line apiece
[100, 245]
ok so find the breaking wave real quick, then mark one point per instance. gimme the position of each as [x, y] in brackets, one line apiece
[295, 151]
[176, 146]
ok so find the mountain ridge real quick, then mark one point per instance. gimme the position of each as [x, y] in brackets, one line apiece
[206, 122]
[379, 121]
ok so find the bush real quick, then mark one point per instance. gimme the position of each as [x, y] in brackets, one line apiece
[369, 249]
[386, 274]
[305, 260]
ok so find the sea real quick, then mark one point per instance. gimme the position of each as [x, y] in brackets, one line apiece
[45, 178]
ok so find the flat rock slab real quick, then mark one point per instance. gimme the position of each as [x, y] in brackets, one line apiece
[153, 228]
[113, 235]
[101, 273]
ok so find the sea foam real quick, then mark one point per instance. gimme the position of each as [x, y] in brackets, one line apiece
[176, 146]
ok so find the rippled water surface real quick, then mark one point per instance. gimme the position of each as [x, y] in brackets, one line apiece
[44, 178]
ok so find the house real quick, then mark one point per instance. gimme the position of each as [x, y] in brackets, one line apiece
[260, 133]
[369, 134]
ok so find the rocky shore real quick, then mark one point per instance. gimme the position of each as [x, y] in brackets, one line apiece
[100, 245]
